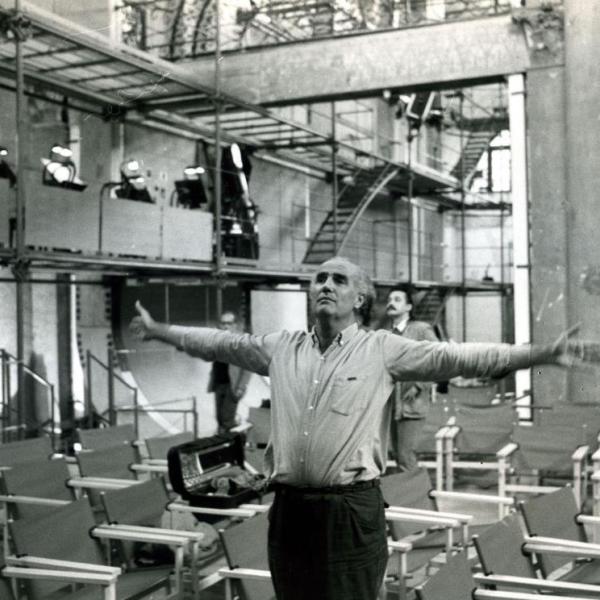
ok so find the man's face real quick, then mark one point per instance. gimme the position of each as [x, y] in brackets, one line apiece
[334, 290]
[227, 321]
[397, 305]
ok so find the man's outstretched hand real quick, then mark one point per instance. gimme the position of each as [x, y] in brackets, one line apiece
[142, 325]
[573, 353]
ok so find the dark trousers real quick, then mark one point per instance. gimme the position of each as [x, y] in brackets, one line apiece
[328, 543]
[226, 407]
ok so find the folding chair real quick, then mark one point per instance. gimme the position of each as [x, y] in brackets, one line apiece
[106, 437]
[64, 543]
[477, 435]
[158, 447]
[579, 415]
[505, 563]
[114, 462]
[557, 536]
[546, 455]
[141, 508]
[454, 581]
[15, 453]
[430, 447]
[413, 512]
[245, 546]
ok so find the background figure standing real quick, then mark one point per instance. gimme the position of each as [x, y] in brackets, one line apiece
[410, 399]
[227, 382]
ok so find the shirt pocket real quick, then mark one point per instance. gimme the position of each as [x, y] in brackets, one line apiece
[348, 394]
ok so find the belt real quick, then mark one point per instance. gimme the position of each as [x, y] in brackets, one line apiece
[332, 489]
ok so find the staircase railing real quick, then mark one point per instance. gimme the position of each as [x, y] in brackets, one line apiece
[387, 174]
[6, 360]
[112, 377]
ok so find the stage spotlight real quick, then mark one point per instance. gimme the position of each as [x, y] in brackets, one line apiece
[60, 171]
[193, 173]
[133, 183]
[5, 171]
[190, 190]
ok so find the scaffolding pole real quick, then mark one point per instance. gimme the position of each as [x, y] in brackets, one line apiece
[463, 233]
[409, 198]
[334, 182]
[217, 186]
[20, 267]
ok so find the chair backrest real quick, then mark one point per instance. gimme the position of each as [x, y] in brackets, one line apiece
[158, 447]
[547, 448]
[499, 549]
[245, 546]
[140, 504]
[39, 478]
[108, 462]
[106, 437]
[437, 416]
[410, 490]
[62, 533]
[484, 430]
[452, 582]
[15, 453]
[553, 515]
[574, 415]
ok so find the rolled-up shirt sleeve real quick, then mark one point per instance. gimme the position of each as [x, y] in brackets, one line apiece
[408, 360]
[250, 352]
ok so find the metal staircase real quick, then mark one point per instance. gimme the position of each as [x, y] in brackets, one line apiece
[351, 203]
[430, 307]
[477, 144]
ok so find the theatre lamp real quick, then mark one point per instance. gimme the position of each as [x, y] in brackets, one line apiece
[190, 190]
[133, 184]
[60, 171]
[5, 171]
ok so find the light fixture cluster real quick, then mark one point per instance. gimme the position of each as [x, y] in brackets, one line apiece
[60, 170]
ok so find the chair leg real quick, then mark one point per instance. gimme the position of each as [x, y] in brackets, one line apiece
[110, 592]
[449, 464]
[502, 469]
[439, 464]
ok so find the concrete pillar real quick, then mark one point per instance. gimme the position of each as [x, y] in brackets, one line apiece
[516, 90]
[582, 90]
[548, 233]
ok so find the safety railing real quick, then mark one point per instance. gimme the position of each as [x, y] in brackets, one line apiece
[137, 410]
[110, 415]
[9, 412]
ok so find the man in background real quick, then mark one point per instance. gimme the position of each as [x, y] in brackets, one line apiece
[227, 382]
[410, 399]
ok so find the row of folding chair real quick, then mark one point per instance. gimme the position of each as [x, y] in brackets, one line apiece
[510, 563]
[526, 458]
[33, 488]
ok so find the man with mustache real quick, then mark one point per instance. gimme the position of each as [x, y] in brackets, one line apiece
[410, 399]
[330, 419]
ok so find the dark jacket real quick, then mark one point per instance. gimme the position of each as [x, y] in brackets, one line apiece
[238, 379]
[413, 408]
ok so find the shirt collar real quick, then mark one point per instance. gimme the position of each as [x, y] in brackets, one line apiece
[343, 337]
[401, 327]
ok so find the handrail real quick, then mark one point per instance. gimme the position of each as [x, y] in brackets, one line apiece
[90, 357]
[193, 410]
[8, 358]
[107, 368]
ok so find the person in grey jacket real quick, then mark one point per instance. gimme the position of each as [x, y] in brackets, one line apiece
[227, 382]
[410, 399]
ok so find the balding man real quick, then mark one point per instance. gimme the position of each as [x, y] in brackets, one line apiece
[330, 419]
